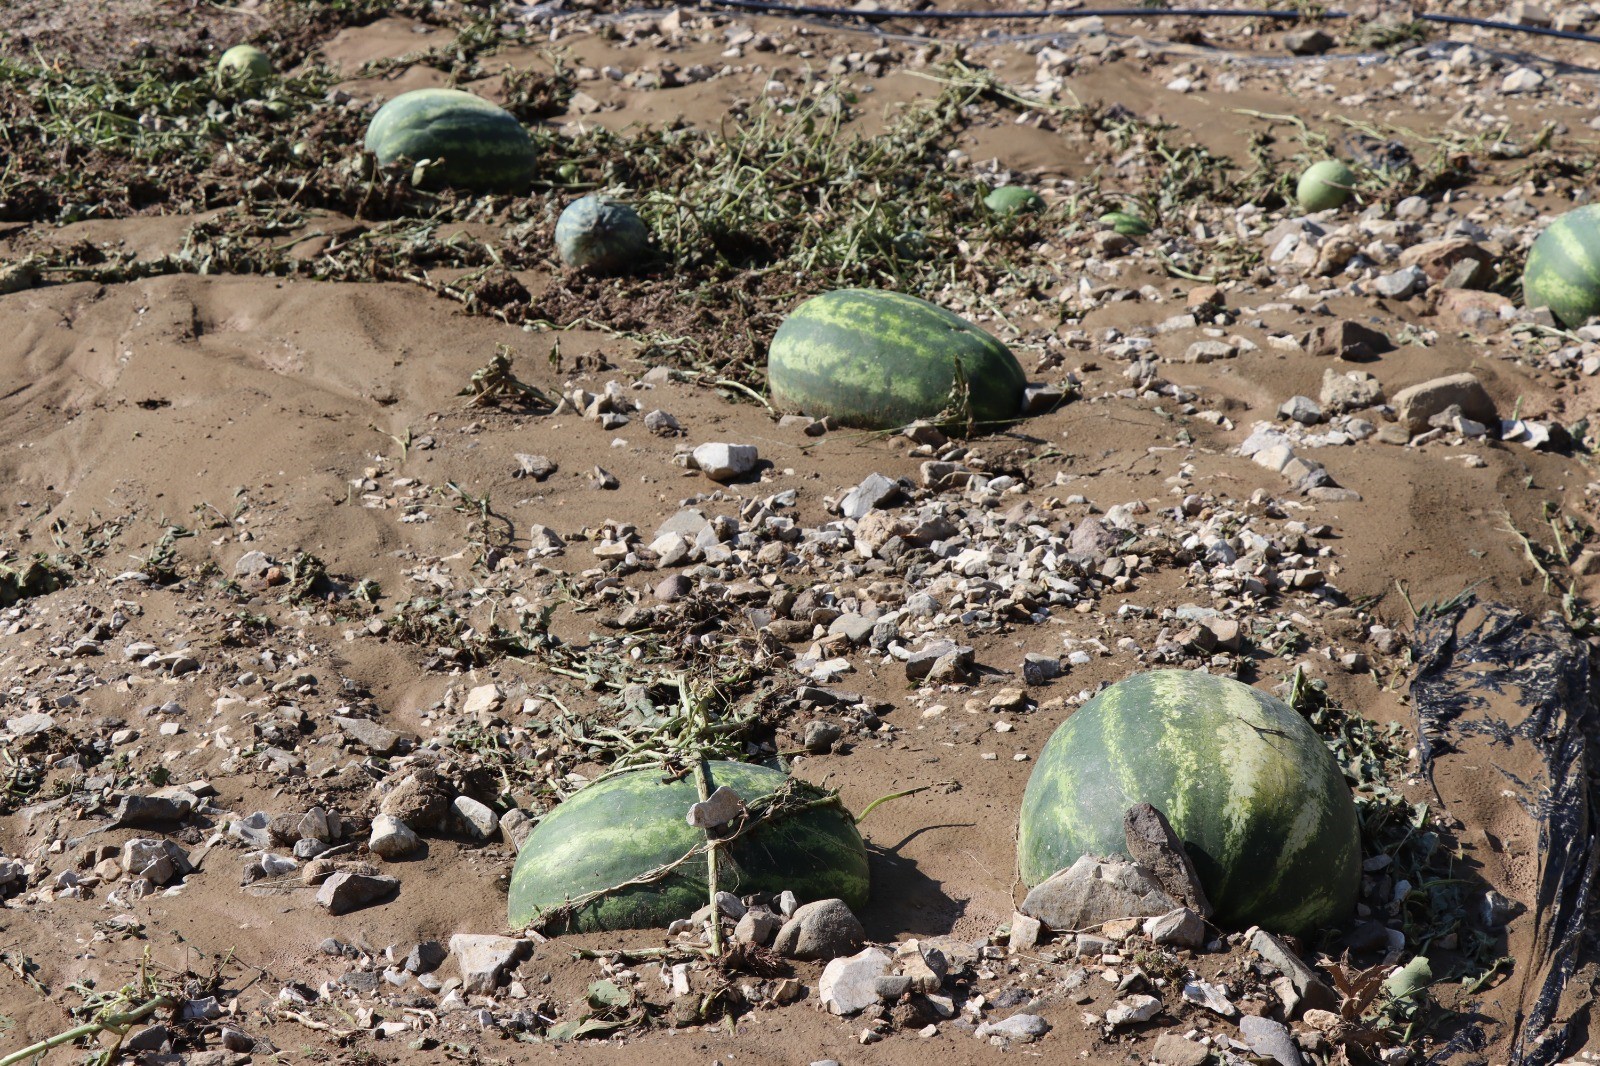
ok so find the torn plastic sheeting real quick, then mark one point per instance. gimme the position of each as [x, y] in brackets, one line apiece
[1474, 664]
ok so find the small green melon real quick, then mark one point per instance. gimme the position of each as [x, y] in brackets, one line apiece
[1129, 225]
[1325, 186]
[244, 65]
[1013, 200]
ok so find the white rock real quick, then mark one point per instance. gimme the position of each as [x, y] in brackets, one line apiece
[483, 960]
[725, 462]
[849, 985]
[1132, 1010]
[719, 808]
[482, 701]
[480, 821]
[392, 838]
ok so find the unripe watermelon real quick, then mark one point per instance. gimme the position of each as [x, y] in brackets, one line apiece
[1563, 269]
[1247, 784]
[1012, 199]
[244, 65]
[601, 235]
[623, 827]
[871, 359]
[469, 142]
[1129, 225]
[1325, 185]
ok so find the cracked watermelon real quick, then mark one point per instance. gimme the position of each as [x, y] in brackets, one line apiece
[871, 359]
[1563, 269]
[623, 827]
[470, 142]
[1256, 797]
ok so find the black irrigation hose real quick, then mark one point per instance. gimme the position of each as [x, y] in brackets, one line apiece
[776, 8]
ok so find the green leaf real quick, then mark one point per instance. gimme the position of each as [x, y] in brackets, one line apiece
[605, 995]
[1410, 979]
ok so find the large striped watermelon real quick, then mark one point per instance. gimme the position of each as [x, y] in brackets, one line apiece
[1254, 794]
[872, 359]
[469, 142]
[1563, 270]
[626, 826]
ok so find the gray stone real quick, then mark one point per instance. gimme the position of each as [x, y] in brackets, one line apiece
[1181, 928]
[758, 926]
[478, 820]
[1314, 993]
[1132, 1011]
[1094, 891]
[1038, 669]
[719, 808]
[820, 736]
[515, 825]
[875, 492]
[673, 588]
[1153, 844]
[1416, 404]
[483, 960]
[537, 467]
[891, 986]
[347, 891]
[850, 985]
[1041, 399]
[1024, 932]
[662, 424]
[392, 839]
[1093, 538]
[369, 734]
[1302, 409]
[1209, 351]
[157, 861]
[725, 462]
[425, 957]
[149, 812]
[252, 565]
[1402, 284]
[544, 541]
[1309, 42]
[1271, 1040]
[922, 662]
[1352, 390]
[825, 929]
[1346, 340]
[686, 523]
[924, 964]
[1022, 1028]
[31, 724]
[1211, 997]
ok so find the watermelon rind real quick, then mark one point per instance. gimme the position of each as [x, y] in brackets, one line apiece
[602, 236]
[875, 359]
[623, 827]
[1128, 225]
[1325, 186]
[1254, 794]
[1563, 268]
[468, 141]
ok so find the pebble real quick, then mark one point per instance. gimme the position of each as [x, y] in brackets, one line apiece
[347, 890]
[824, 929]
[725, 462]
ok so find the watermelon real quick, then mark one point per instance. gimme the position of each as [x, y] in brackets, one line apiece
[244, 65]
[1122, 222]
[1325, 186]
[468, 141]
[1563, 269]
[1249, 787]
[601, 235]
[871, 359]
[1013, 199]
[622, 828]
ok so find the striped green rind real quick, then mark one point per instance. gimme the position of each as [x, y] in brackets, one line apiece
[872, 359]
[475, 145]
[1128, 225]
[625, 826]
[1563, 268]
[602, 235]
[1010, 199]
[1247, 784]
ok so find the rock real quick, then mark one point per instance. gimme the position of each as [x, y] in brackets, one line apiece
[719, 808]
[1402, 284]
[1041, 399]
[477, 819]
[926, 661]
[1132, 1011]
[1352, 390]
[482, 701]
[662, 424]
[418, 800]
[425, 957]
[875, 492]
[1181, 928]
[1312, 991]
[392, 839]
[1024, 932]
[483, 960]
[1209, 351]
[924, 964]
[544, 541]
[1038, 669]
[758, 926]
[673, 588]
[515, 825]
[1211, 997]
[537, 467]
[1346, 340]
[850, 985]
[1470, 309]
[1022, 1028]
[1302, 409]
[725, 462]
[1437, 259]
[31, 724]
[1311, 42]
[1154, 846]
[1174, 1049]
[820, 736]
[157, 861]
[1093, 538]
[347, 891]
[1271, 1040]
[1521, 80]
[825, 929]
[1415, 405]
[375, 738]
[1094, 891]
[149, 812]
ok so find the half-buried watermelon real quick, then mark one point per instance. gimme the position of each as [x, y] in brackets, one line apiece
[871, 359]
[1563, 269]
[468, 141]
[624, 828]
[1249, 787]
